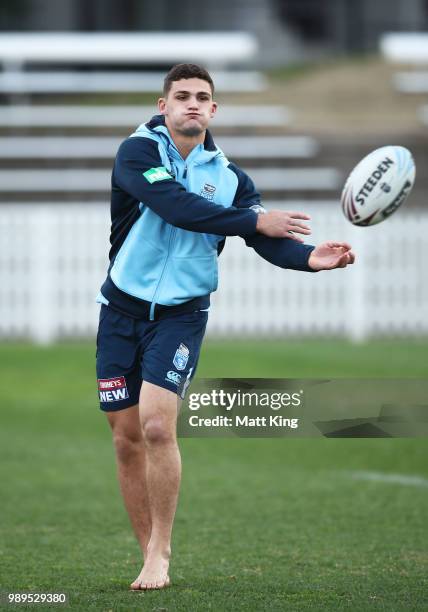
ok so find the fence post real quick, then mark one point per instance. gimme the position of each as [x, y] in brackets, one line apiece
[42, 274]
[358, 329]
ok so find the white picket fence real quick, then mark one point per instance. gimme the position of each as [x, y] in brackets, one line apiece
[53, 259]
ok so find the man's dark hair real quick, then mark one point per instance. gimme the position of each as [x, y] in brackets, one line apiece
[186, 71]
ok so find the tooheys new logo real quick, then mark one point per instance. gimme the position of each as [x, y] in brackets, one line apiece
[112, 389]
[374, 179]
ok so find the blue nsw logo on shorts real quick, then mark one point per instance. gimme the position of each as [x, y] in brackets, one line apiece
[181, 357]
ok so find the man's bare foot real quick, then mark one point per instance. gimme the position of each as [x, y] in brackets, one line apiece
[154, 574]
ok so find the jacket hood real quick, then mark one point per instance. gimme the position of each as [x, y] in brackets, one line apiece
[206, 151]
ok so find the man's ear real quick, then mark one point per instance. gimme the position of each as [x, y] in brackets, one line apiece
[213, 111]
[162, 106]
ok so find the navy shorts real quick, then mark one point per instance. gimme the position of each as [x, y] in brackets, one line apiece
[163, 352]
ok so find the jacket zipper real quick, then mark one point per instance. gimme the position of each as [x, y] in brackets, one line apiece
[153, 304]
[170, 242]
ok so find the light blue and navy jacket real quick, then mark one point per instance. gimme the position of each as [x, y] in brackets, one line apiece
[170, 218]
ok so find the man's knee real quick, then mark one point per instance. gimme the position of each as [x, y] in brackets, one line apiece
[127, 437]
[158, 430]
[127, 446]
[158, 413]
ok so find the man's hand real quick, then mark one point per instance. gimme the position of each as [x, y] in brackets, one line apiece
[279, 224]
[331, 255]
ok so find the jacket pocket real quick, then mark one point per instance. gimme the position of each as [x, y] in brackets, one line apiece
[190, 277]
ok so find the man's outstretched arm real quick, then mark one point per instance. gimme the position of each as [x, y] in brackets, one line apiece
[138, 171]
[331, 255]
[294, 255]
[288, 252]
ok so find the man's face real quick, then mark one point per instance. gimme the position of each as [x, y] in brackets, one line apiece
[188, 106]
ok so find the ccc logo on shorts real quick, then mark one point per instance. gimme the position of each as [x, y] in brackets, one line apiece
[174, 377]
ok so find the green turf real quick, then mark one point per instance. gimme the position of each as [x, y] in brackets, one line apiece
[261, 525]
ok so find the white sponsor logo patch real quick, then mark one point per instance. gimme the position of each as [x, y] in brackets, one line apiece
[112, 389]
[174, 377]
[181, 357]
[157, 174]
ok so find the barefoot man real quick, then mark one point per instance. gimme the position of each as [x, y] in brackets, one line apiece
[175, 197]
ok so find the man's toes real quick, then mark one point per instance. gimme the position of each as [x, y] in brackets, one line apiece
[135, 586]
[146, 586]
[163, 583]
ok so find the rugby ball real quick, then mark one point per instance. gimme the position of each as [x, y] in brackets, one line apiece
[378, 185]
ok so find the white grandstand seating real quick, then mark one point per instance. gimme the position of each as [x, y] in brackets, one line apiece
[105, 147]
[131, 116]
[411, 82]
[20, 82]
[19, 50]
[39, 230]
[405, 47]
[408, 48]
[96, 180]
[141, 48]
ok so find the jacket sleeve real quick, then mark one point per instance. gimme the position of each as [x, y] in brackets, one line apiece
[282, 252]
[135, 173]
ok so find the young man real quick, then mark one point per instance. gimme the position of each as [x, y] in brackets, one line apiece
[175, 197]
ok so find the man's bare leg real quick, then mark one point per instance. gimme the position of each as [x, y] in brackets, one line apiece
[131, 468]
[158, 416]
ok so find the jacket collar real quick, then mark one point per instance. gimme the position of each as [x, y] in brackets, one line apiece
[203, 152]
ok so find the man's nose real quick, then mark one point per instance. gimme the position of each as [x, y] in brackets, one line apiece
[193, 103]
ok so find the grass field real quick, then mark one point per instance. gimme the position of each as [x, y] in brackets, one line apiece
[262, 524]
